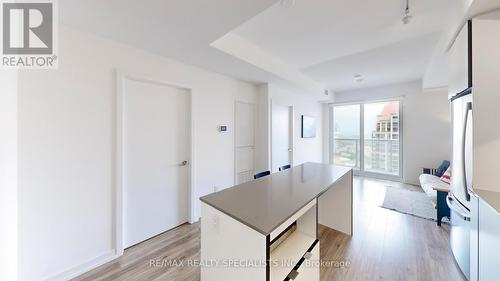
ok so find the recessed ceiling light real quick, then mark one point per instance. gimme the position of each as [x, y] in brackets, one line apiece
[358, 78]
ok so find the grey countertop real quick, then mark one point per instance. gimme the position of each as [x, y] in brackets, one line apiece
[492, 198]
[266, 203]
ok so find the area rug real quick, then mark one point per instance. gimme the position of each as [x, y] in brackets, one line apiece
[409, 202]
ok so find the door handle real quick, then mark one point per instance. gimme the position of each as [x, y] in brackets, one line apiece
[453, 208]
[183, 163]
[464, 136]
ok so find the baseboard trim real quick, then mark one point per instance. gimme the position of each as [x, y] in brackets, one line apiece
[85, 267]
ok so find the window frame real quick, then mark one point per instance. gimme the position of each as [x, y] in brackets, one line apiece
[361, 171]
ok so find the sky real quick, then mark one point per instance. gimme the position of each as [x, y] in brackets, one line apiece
[346, 119]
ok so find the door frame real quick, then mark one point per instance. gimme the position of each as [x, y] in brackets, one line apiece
[291, 133]
[121, 77]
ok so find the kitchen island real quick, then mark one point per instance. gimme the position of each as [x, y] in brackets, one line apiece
[267, 229]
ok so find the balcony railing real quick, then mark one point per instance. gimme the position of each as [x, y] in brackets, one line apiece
[380, 155]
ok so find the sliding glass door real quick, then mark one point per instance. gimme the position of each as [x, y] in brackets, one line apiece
[381, 137]
[346, 136]
[366, 136]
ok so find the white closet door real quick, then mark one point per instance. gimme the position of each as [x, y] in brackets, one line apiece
[155, 153]
[244, 141]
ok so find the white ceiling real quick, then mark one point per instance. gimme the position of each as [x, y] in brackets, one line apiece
[324, 41]
[314, 31]
[178, 29]
[399, 62]
[333, 40]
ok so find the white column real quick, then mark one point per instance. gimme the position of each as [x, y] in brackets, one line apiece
[8, 174]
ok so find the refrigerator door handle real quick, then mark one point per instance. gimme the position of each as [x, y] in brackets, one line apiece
[464, 137]
[455, 209]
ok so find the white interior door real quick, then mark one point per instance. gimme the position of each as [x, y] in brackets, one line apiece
[281, 136]
[244, 141]
[156, 141]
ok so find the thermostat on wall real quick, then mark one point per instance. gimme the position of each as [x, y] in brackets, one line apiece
[223, 128]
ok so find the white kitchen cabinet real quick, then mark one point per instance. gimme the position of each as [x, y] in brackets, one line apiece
[486, 100]
[458, 62]
[474, 238]
[489, 242]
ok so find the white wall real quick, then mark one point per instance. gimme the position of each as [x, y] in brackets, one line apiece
[486, 66]
[426, 123]
[263, 133]
[8, 175]
[66, 148]
[427, 132]
[305, 150]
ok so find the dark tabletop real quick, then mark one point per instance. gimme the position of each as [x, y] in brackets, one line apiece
[266, 203]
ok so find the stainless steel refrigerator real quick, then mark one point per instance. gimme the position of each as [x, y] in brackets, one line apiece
[459, 199]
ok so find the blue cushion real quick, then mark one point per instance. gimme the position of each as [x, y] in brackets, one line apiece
[442, 168]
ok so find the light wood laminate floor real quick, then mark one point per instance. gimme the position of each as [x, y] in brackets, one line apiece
[386, 245]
